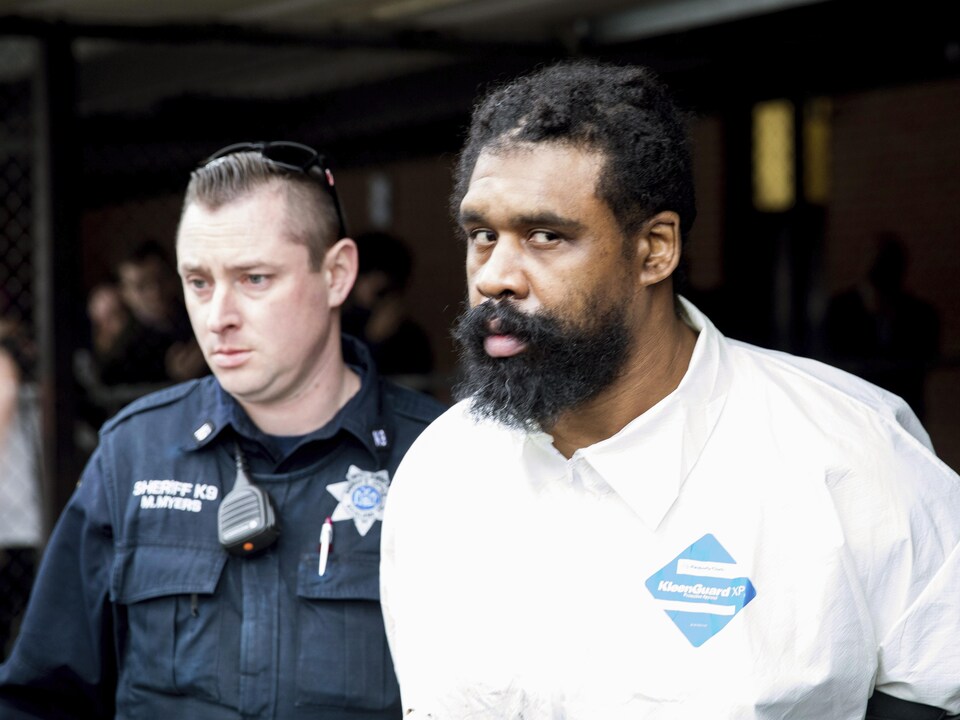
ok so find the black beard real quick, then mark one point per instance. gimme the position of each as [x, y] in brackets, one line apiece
[563, 366]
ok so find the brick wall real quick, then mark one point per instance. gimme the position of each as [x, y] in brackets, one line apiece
[896, 167]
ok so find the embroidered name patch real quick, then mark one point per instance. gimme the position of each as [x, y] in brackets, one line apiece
[702, 589]
[173, 495]
[362, 497]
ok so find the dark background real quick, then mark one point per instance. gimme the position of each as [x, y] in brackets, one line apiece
[103, 113]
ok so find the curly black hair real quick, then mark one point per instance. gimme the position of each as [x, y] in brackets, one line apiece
[623, 112]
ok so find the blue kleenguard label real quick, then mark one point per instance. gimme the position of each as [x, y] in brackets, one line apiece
[702, 589]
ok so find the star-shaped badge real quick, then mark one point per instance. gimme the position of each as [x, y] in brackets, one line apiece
[362, 497]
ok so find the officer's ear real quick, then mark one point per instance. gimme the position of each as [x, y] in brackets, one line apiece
[658, 247]
[340, 266]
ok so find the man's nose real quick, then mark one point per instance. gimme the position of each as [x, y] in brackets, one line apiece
[502, 272]
[222, 312]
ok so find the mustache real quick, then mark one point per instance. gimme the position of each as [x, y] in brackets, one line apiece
[494, 317]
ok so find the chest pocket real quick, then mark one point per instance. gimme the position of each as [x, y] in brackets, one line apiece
[343, 658]
[173, 642]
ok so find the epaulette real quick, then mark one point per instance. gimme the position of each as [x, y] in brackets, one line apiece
[152, 401]
[411, 404]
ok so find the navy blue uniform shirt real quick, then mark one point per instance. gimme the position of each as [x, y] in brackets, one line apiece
[138, 612]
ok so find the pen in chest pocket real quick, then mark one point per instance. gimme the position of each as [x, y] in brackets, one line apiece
[326, 540]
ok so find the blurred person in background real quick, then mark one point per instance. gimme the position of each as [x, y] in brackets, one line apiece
[156, 345]
[139, 338]
[219, 559]
[109, 317]
[377, 314]
[21, 521]
[880, 331]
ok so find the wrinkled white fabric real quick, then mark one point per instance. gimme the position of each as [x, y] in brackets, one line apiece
[519, 584]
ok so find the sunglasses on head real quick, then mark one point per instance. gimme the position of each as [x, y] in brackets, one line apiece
[294, 157]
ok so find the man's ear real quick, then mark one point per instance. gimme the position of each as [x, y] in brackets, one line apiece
[659, 247]
[340, 267]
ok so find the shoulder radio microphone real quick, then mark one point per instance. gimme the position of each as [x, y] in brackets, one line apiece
[246, 521]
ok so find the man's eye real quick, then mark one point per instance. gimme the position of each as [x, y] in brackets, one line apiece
[255, 279]
[197, 283]
[482, 237]
[543, 236]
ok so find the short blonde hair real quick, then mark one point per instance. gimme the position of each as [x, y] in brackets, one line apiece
[313, 219]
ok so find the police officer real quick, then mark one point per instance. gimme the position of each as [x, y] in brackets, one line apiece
[187, 576]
